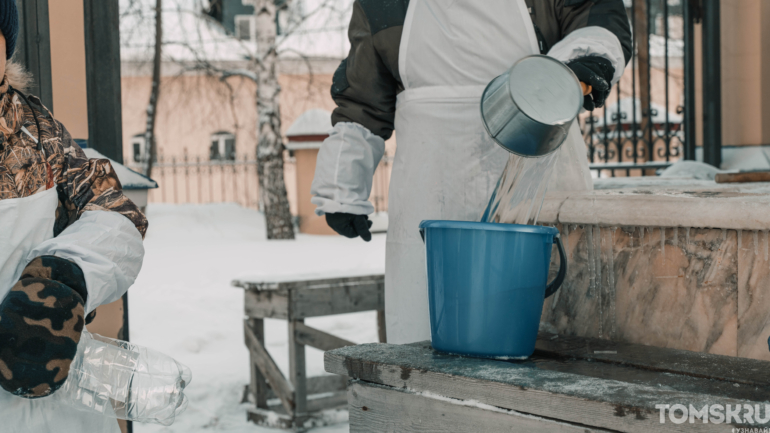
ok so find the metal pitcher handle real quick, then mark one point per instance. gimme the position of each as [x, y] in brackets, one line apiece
[556, 284]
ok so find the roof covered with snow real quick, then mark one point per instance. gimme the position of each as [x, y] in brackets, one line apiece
[318, 30]
[312, 122]
[130, 179]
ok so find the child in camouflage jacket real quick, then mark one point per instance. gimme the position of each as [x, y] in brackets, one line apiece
[92, 256]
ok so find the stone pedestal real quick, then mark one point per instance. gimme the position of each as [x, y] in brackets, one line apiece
[642, 271]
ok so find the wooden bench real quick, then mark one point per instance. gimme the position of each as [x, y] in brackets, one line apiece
[569, 385]
[294, 301]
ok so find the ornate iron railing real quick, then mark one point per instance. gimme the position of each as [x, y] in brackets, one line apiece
[645, 125]
[186, 179]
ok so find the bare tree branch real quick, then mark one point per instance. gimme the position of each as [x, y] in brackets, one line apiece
[239, 73]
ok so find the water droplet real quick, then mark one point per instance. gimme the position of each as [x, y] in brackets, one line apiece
[740, 240]
[687, 236]
[676, 237]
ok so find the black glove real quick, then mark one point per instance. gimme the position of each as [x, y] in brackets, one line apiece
[42, 320]
[349, 225]
[597, 72]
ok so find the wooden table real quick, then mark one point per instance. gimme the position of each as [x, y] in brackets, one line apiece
[294, 301]
[570, 385]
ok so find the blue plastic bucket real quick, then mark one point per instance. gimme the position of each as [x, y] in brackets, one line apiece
[486, 285]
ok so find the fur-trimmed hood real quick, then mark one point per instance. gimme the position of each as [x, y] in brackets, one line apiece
[18, 77]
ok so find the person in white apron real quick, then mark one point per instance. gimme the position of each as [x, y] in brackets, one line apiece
[420, 68]
[70, 241]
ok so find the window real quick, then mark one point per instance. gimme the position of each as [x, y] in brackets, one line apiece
[222, 147]
[245, 30]
[286, 19]
[137, 144]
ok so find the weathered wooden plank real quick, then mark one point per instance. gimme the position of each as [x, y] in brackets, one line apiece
[286, 285]
[325, 301]
[320, 385]
[623, 373]
[316, 418]
[268, 305]
[335, 400]
[268, 418]
[316, 338]
[524, 387]
[265, 363]
[333, 282]
[324, 384]
[258, 385]
[696, 364]
[297, 369]
[381, 328]
[375, 409]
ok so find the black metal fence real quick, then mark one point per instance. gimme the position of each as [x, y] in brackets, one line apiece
[648, 122]
[186, 179]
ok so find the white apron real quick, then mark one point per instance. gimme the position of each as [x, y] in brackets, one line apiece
[446, 166]
[24, 224]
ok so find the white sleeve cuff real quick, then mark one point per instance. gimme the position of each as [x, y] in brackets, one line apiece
[344, 170]
[591, 41]
[106, 246]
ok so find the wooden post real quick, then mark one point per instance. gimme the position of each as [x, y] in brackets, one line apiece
[712, 84]
[297, 370]
[312, 337]
[641, 31]
[34, 47]
[282, 388]
[381, 329]
[102, 35]
[258, 386]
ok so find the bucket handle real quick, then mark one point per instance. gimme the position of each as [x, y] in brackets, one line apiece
[556, 284]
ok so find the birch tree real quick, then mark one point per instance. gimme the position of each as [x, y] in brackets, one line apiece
[270, 145]
[189, 54]
[270, 148]
[152, 106]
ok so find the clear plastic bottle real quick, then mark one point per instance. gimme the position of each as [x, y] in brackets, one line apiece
[122, 380]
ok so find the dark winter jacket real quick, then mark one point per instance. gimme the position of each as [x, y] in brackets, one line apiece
[367, 82]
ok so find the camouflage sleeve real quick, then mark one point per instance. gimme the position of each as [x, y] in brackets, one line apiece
[92, 185]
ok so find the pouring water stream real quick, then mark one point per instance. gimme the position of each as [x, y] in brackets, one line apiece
[520, 192]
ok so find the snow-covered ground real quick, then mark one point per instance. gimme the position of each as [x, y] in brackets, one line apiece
[183, 304]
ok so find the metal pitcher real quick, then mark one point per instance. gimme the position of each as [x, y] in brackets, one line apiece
[529, 109]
